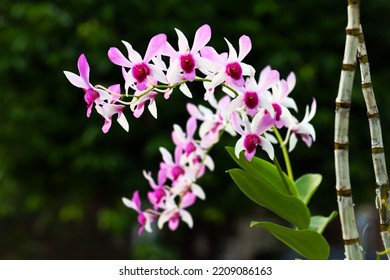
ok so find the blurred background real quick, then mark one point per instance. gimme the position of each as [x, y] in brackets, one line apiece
[62, 179]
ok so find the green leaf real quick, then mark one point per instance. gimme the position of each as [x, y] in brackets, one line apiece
[266, 171]
[319, 223]
[310, 244]
[307, 186]
[265, 194]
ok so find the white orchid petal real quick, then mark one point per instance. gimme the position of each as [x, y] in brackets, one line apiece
[186, 217]
[198, 191]
[164, 217]
[267, 146]
[76, 80]
[239, 147]
[123, 121]
[185, 90]
[153, 108]
[127, 202]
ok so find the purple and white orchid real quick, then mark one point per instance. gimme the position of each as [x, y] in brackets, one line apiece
[250, 107]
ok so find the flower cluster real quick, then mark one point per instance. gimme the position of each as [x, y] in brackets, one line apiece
[254, 107]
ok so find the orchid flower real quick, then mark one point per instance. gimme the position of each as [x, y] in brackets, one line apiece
[187, 59]
[144, 218]
[173, 167]
[108, 109]
[103, 100]
[140, 68]
[230, 69]
[173, 212]
[304, 129]
[253, 96]
[157, 196]
[213, 123]
[280, 103]
[252, 137]
[82, 81]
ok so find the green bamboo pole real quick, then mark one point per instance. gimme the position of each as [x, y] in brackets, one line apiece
[350, 235]
[377, 147]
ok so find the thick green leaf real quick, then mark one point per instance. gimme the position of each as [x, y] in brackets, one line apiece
[310, 244]
[265, 194]
[266, 171]
[307, 186]
[319, 223]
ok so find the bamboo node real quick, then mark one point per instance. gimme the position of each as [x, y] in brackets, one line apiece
[341, 146]
[377, 150]
[385, 228]
[363, 59]
[351, 241]
[361, 38]
[344, 192]
[366, 85]
[343, 104]
[348, 67]
[352, 31]
[373, 115]
[353, 2]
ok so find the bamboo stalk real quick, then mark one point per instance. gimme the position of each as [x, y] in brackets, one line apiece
[377, 147]
[350, 235]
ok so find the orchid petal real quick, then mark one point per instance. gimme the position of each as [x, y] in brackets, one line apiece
[239, 147]
[267, 146]
[134, 56]
[291, 81]
[209, 163]
[76, 80]
[235, 120]
[155, 45]
[185, 90]
[83, 67]
[182, 42]
[123, 121]
[232, 52]
[194, 111]
[202, 37]
[167, 157]
[173, 224]
[186, 217]
[157, 73]
[198, 191]
[292, 142]
[127, 202]
[191, 127]
[118, 58]
[245, 46]
[164, 217]
[187, 200]
[211, 54]
[268, 78]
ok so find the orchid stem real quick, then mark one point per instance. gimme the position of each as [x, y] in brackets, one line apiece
[285, 154]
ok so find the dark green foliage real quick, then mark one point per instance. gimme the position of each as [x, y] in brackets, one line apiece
[62, 179]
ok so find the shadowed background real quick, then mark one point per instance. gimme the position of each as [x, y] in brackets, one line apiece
[62, 179]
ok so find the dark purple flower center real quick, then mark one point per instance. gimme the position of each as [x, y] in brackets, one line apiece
[90, 96]
[141, 219]
[159, 194]
[234, 70]
[250, 142]
[187, 63]
[177, 171]
[140, 72]
[251, 99]
[190, 147]
[197, 159]
[278, 111]
[175, 218]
